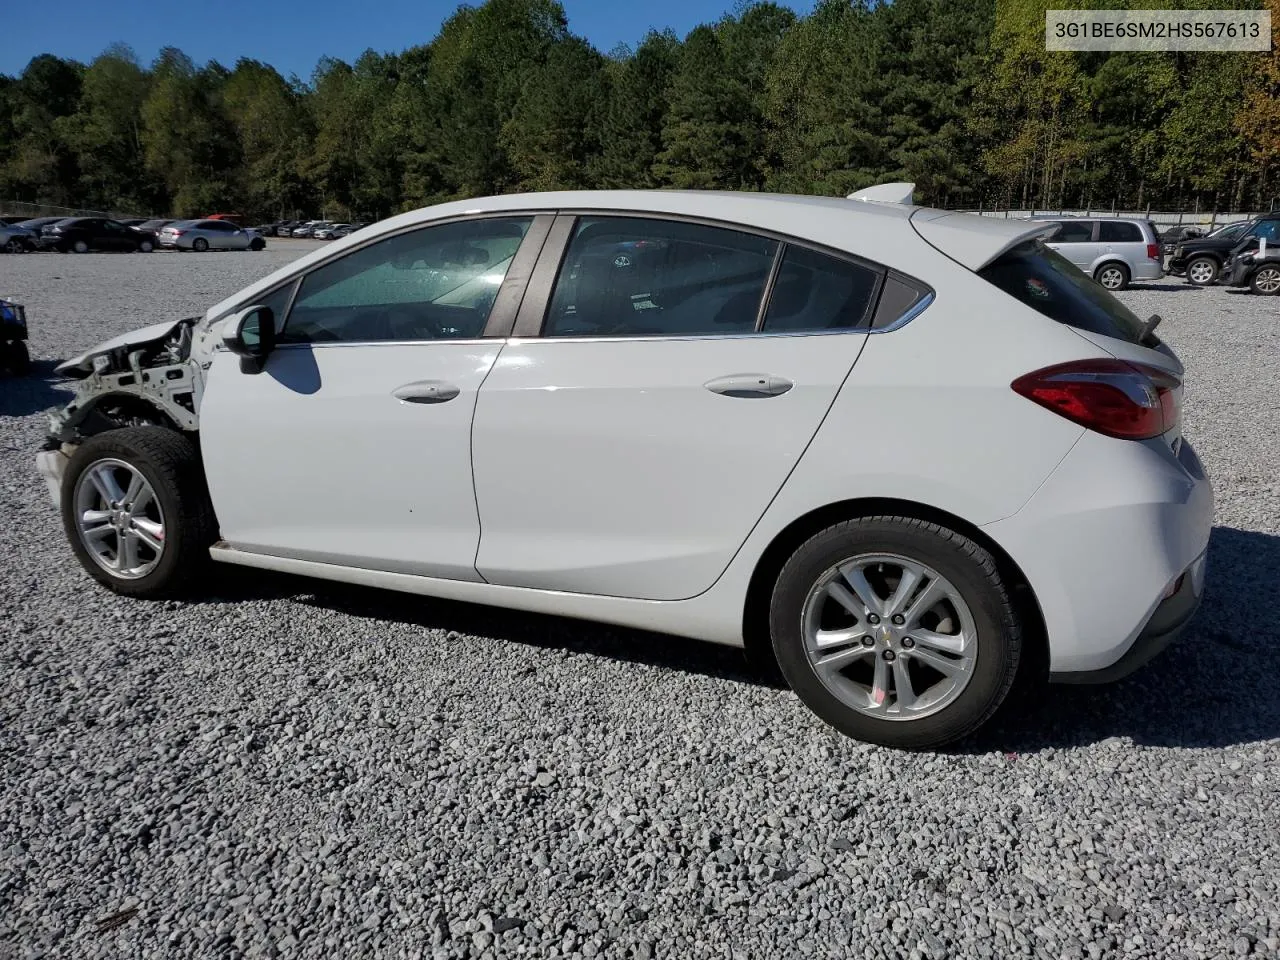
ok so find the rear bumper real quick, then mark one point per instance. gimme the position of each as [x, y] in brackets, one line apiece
[1167, 623]
[1148, 270]
[1103, 541]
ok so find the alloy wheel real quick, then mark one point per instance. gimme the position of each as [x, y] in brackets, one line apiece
[1111, 277]
[119, 519]
[889, 636]
[1200, 272]
[1267, 280]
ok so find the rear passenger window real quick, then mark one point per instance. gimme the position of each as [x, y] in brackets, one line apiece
[1119, 232]
[634, 276]
[815, 292]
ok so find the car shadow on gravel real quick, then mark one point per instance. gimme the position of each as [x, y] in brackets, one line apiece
[37, 391]
[534, 629]
[1163, 287]
[1214, 687]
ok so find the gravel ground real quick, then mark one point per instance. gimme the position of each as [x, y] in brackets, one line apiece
[292, 769]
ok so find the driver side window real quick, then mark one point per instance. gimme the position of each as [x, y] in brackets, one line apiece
[430, 284]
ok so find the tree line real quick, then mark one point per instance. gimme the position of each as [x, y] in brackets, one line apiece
[960, 97]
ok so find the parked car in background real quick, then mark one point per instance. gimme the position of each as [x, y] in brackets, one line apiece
[154, 226]
[347, 229]
[234, 218]
[1171, 237]
[1202, 260]
[307, 229]
[18, 239]
[328, 231]
[1114, 251]
[37, 224]
[1257, 267]
[83, 234]
[133, 221]
[202, 235]
[678, 442]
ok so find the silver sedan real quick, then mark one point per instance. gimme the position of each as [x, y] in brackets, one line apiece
[202, 235]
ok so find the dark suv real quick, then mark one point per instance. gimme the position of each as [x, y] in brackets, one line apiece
[1201, 260]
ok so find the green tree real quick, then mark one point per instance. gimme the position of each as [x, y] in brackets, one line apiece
[630, 125]
[272, 127]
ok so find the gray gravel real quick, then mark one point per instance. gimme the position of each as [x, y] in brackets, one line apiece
[293, 769]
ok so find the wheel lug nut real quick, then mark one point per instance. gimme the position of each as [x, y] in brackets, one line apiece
[889, 655]
[907, 643]
[899, 619]
[868, 641]
[872, 618]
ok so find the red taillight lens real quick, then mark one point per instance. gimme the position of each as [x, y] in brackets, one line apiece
[1153, 251]
[177, 233]
[1131, 401]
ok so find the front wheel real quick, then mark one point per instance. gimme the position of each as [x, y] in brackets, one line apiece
[145, 247]
[136, 510]
[199, 244]
[15, 356]
[1113, 276]
[15, 245]
[1266, 281]
[80, 246]
[896, 631]
[257, 244]
[1202, 271]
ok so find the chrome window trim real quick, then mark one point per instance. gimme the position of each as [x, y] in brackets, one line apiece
[911, 313]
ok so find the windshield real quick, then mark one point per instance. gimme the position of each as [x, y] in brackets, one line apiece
[1050, 284]
[1231, 231]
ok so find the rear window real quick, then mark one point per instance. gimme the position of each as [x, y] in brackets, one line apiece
[1050, 284]
[1119, 232]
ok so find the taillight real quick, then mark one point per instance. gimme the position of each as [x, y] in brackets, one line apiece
[1131, 401]
[1153, 251]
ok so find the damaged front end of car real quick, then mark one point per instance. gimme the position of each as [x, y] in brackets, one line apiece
[147, 377]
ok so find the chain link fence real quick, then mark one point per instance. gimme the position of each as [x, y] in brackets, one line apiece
[29, 211]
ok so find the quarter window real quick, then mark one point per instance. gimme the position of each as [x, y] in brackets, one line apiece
[635, 276]
[1119, 232]
[435, 283]
[815, 292]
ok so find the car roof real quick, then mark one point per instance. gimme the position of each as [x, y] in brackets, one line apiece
[884, 232]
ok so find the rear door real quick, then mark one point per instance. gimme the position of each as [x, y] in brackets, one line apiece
[1123, 239]
[1074, 240]
[664, 379]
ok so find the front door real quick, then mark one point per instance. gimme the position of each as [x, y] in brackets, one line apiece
[629, 449]
[353, 444]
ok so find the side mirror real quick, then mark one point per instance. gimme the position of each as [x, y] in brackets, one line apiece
[251, 333]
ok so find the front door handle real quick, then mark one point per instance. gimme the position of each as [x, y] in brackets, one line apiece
[749, 385]
[426, 391]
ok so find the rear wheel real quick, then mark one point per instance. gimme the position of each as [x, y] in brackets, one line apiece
[895, 631]
[1202, 271]
[15, 245]
[145, 246]
[257, 243]
[1266, 281]
[80, 246]
[199, 244]
[1113, 276]
[136, 510]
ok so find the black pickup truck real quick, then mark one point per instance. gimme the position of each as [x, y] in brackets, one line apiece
[1202, 260]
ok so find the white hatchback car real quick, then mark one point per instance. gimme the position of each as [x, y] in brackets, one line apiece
[902, 448]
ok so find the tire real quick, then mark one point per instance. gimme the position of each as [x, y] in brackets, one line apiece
[16, 358]
[1203, 271]
[946, 707]
[170, 465]
[80, 246]
[145, 246]
[257, 244]
[1266, 280]
[1113, 276]
[199, 244]
[15, 245]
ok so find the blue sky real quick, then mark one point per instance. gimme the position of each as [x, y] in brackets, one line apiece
[293, 34]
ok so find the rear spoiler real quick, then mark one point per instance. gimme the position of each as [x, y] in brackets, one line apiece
[971, 240]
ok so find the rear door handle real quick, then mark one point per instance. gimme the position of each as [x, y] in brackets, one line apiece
[749, 385]
[426, 391]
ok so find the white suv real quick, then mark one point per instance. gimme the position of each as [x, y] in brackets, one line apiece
[902, 448]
